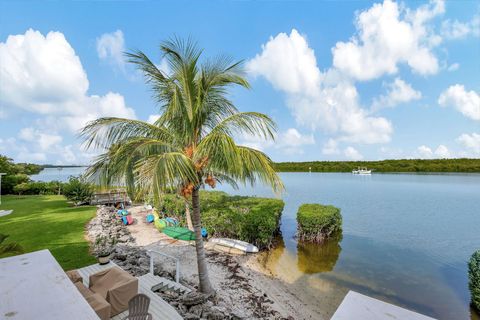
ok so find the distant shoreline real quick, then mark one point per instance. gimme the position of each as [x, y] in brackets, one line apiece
[466, 165]
[385, 166]
[62, 166]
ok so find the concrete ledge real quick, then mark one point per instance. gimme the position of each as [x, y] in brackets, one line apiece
[361, 307]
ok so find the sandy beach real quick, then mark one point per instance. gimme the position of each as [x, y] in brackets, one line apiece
[242, 285]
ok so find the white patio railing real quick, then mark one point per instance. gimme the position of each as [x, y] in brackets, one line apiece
[152, 253]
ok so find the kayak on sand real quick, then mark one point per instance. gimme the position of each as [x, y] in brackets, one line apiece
[237, 244]
[179, 233]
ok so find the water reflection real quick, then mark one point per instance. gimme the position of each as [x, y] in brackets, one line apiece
[316, 258]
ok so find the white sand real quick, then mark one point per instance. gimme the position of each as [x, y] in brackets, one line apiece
[145, 233]
[241, 284]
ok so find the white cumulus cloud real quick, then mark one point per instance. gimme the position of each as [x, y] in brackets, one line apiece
[425, 152]
[152, 118]
[44, 140]
[442, 152]
[45, 76]
[388, 35]
[398, 92]
[454, 29]
[470, 141]
[43, 72]
[288, 63]
[467, 102]
[330, 147]
[289, 142]
[453, 67]
[352, 154]
[110, 47]
[292, 141]
[317, 100]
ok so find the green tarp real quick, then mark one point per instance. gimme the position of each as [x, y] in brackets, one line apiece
[179, 233]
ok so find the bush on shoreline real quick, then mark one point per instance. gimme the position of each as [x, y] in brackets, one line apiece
[474, 279]
[78, 191]
[38, 187]
[251, 219]
[316, 222]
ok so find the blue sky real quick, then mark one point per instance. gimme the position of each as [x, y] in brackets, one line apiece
[343, 80]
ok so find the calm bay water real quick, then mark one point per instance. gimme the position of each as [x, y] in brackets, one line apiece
[58, 174]
[406, 238]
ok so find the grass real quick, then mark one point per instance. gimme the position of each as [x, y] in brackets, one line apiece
[48, 222]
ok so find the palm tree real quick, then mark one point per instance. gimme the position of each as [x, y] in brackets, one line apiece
[192, 142]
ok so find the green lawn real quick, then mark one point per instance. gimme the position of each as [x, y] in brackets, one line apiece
[49, 222]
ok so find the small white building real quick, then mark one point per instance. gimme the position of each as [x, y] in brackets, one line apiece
[34, 286]
[1, 174]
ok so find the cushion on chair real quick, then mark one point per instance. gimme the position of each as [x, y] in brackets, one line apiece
[74, 276]
[116, 286]
[83, 290]
[100, 306]
[96, 301]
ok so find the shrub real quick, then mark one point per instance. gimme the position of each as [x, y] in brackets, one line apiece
[251, 219]
[10, 181]
[78, 190]
[172, 205]
[316, 222]
[474, 279]
[38, 187]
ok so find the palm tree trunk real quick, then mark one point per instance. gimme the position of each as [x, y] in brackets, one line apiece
[205, 285]
[188, 216]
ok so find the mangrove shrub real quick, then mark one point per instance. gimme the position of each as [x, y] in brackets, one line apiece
[251, 219]
[398, 165]
[474, 279]
[316, 222]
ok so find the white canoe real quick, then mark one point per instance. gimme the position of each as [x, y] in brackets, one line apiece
[237, 244]
[222, 249]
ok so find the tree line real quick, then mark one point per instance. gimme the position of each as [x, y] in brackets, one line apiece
[401, 165]
[16, 173]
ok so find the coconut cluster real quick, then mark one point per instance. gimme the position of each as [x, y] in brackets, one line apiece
[210, 181]
[187, 190]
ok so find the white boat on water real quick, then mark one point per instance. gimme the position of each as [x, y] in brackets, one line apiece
[362, 171]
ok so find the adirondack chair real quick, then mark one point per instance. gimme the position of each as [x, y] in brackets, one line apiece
[138, 308]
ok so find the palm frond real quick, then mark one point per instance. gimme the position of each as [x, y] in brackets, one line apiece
[105, 132]
[162, 171]
[252, 123]
[257, 165]
[221, 151]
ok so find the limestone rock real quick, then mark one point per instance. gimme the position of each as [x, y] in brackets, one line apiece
[193, 298]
